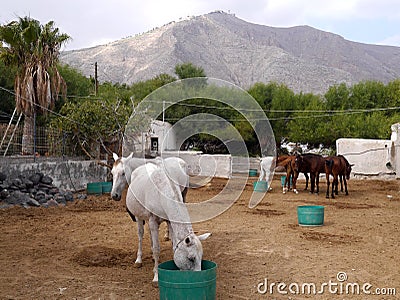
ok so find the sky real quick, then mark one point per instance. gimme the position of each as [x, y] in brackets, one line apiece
[96, 22]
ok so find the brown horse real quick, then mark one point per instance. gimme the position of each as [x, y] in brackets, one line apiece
[288, 161]
[309, 163]
[337, 166]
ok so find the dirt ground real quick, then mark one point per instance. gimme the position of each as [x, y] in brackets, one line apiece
[86, 250]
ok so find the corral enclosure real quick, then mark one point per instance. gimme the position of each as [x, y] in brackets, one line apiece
[86, 250]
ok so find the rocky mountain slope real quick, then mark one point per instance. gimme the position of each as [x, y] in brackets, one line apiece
[226, 47]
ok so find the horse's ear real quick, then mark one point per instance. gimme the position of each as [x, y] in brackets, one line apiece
[115, 156]
[130, 155]
[204, 236]
[352, 165]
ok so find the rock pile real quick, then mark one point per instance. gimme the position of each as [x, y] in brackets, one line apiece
[31, 190]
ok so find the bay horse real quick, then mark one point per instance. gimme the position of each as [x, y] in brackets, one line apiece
[155, 197]
[309, 163]
[288, 162]
[337, 166]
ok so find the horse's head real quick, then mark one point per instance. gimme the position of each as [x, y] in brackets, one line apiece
[298, 161]
[189, 252]
[120, 176]
[348, 170]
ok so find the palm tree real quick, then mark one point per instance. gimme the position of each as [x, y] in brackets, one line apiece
[34, 50]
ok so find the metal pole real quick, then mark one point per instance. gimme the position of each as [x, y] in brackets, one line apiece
[96, 82]
[12, 136]
[8, 127]
[34, 136]
[163, 111]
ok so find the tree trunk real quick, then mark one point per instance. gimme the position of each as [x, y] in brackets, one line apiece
[27, 135]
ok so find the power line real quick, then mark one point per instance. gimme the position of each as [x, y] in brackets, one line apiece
[318, 113]
[277, 111]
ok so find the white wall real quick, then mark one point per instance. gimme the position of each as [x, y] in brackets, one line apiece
[217, 165]
[368, 156]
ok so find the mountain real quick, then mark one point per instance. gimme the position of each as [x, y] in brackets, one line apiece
[228, 48]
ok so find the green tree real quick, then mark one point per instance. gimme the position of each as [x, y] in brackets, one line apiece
[94, 122]
[7, 101]
[392, 97]
[141, 89]
[188, 70]
[263, 93]
[308, 123]
[282, 105]
[34, 50]
[78, 85]
[367, 95]
[337, 97]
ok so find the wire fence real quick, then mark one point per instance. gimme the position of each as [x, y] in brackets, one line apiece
[45, 142]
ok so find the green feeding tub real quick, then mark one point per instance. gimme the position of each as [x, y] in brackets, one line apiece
[260, 186]
[106, 187]
[310, 215]
[253, 172]
[94, 188]
[191, 285]
[283, 179]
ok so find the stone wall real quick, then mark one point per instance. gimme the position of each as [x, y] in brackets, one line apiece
[67, 174]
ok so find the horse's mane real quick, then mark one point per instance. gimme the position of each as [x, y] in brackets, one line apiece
[284, 162]
[311, 154]
[347, 163]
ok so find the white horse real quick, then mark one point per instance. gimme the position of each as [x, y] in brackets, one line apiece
[155, 197]
[124, 166]
[267, 167]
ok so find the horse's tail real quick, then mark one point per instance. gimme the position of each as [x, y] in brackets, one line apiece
[328, 165]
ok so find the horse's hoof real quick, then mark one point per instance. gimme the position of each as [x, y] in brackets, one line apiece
[138, 265]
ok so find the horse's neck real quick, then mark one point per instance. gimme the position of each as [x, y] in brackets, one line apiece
[131, 164]
[178, 214]
[135, 162]
[180, 231]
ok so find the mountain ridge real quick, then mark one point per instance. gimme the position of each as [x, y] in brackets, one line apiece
[226, 47]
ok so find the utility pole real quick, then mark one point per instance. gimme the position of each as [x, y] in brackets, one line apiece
[96, 82]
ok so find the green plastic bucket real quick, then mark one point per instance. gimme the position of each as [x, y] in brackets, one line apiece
[310, 215]
[94, 188]
[252, 172]
[260, 186]
[106, 187]
[283, 178]
[175, 284]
